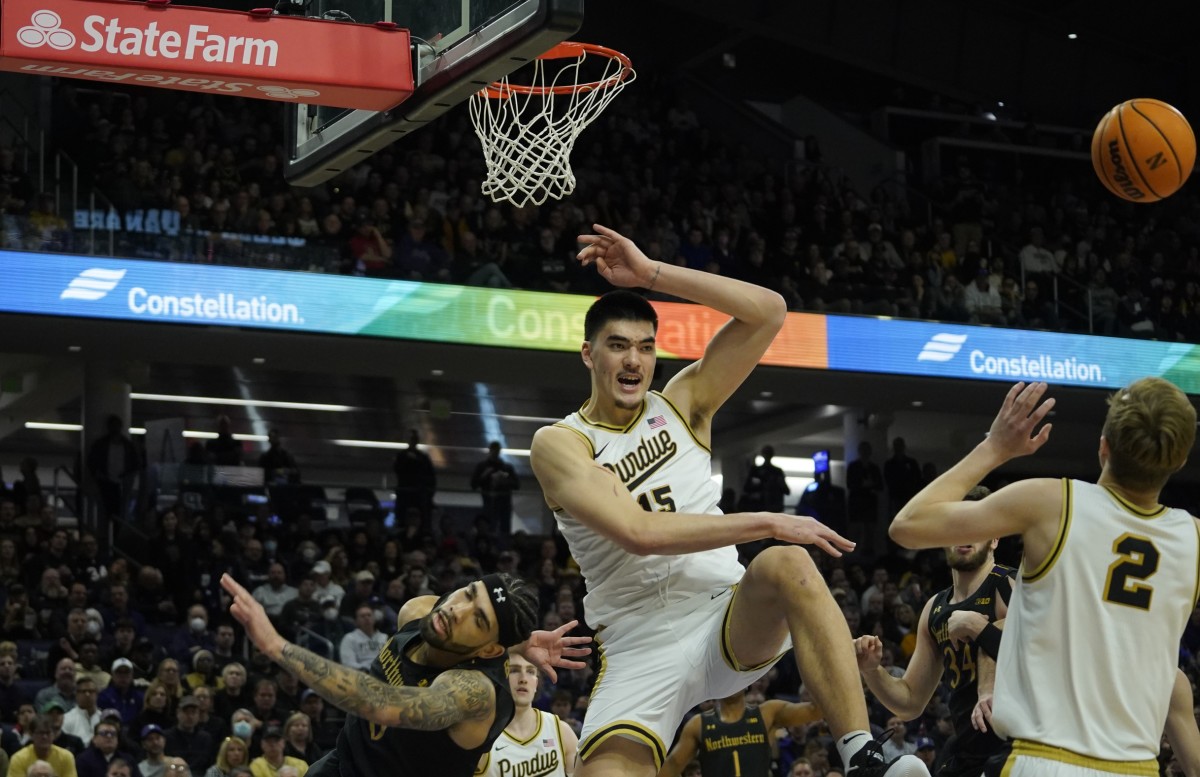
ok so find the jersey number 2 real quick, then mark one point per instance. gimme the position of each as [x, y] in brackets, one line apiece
[1137, 561]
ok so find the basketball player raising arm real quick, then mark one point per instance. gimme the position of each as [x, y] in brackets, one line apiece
[1106, 565]
[438, 689]
[734, 738]
[629, 479]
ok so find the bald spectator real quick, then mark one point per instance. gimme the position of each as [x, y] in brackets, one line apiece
[63, 690]
[275, 593]
[40, 769]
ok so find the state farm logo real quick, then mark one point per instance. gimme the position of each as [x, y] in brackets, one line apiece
[45, 29]
[284, 93]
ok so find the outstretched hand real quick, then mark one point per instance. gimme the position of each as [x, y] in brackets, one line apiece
[253, 618]
[1012, 433]
[617, 259]
[548, 649]
[805, 530]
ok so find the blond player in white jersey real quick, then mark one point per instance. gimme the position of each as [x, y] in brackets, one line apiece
[1109, 579]
[629, 478]
[534, 743]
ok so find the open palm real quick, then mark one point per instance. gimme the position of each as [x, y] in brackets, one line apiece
[617, 259]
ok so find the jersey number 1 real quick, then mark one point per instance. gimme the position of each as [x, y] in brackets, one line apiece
[1137, 560]
[662, 497]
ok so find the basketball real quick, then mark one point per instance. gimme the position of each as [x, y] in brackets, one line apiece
[1143, 150]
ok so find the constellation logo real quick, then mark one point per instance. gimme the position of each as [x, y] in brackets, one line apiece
[92, 284]
[284, 93]
[942, 347]
[45, 29]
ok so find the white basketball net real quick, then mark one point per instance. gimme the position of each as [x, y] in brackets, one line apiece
[528, 132]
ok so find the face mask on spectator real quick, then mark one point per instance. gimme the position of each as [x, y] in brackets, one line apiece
[331, 613]
[378, 616]
[242, 729]
[198, 624]
[93, 628]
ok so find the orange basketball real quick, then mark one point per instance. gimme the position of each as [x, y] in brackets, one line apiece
[1143, 150]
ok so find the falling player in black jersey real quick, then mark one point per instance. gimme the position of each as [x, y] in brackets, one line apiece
[437, 696]
[980, 586]
[733, 739]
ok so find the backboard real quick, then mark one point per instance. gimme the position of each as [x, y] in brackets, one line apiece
[459, 46]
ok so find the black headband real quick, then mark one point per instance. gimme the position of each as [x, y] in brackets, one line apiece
[498, 592]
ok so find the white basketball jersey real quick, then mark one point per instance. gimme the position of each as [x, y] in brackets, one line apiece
[666, 469]
[542, 755]
[1091, 640]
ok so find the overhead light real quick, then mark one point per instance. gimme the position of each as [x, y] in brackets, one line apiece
[137, 430]
[395, 446]
[917, 403]
[260, 360]
[1071, 36]
[74, 348]
[766, 394]
[503, 416]
[242, 402]
[437, 373]
[1000, 103]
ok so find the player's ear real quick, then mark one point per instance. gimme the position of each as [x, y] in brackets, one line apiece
[492, 650]
[586, 354]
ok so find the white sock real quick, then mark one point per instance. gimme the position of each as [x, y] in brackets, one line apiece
[850, 743]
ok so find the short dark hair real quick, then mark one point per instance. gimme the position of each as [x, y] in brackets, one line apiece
[523, 606]
[619, 305]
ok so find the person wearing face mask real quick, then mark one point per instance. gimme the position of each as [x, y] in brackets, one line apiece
[307, 553]
[330, 626]
[196, 638]
[245, 727]
[326, 588]
[275, 593]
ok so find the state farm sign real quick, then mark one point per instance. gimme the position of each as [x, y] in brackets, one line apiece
[201, 49]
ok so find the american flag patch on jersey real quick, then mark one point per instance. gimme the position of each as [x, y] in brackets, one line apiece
[657, 421]
[549, 743]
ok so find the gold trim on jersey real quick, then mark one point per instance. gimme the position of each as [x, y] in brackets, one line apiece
[585, 438]
[484, 764]
[1196, 590]
[603, 660]
[610, 427]
[629, 728]
[683, 421]
[1023, 747]
[1064, 526]
[1133, 509]
[727, 643]
[537, 731]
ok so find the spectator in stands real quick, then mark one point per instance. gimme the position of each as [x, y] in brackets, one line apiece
[12, 695]
[264, 705]
[298, 739]
[278, 464]
[195, 638]
[363, 592]
[204, 672]
[20, 619]
[303, 610]
[1036, 259]
[152, 598]
[42, 748]
[170, 677]
[27, 486]
[121, 612]
[326, 588]
[272, 759]
[983, 302]
[232, 693]
[216, 727]
[68, 645]
[416, 480]
[103, 750]
[864, 484]
[154, 764]
[114, 463]
[17, 736]
[360, 647]
[275, 593]
[121, 694]
[63, 689]
[766, 485]
[223, 644]
[10, 562]
[54, 712]
[897, 744]
[901, 475]
[187, 739]
[156, 706]
[254, 567]
[1037, 313]
[81, 721]
[88, 664]
[496, 479]
[223, 450]
[233, 753]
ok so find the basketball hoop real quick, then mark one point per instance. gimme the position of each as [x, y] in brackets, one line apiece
[528, 131]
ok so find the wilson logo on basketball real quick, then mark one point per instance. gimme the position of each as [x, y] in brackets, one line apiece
[1121, 174]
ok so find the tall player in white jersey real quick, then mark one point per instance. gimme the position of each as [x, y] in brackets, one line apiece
[1108, 581]
[629, 478]
[534, 743]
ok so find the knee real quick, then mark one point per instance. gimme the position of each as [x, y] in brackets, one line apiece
[788, 567]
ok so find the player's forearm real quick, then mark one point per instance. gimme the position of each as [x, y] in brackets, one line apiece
[676, 533]
[894, 693]
[1181, 729]
[744, 301]
[951, 486]
[356, 692]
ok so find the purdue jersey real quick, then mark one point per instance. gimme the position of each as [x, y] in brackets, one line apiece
[959, 670]
[737, 749]
[366, 749]
[1092, 634]
[666, 469]
[541, 755]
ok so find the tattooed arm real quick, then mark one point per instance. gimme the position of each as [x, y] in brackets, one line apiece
[456, 696]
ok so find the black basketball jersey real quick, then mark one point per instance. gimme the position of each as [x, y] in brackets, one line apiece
[737, 749]
[367, 749]
[959, 663]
